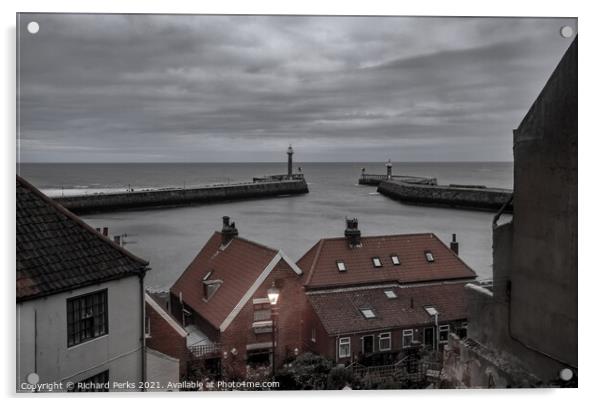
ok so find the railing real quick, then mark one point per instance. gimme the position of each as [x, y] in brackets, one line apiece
[271, 178]
[406, 370]
[205, 350]
[403, 178]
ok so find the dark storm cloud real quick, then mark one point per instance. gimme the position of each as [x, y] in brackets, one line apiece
[207, 88]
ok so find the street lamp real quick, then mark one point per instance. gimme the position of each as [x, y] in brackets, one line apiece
[273, 295]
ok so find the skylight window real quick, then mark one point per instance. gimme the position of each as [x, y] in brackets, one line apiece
[341, 266]
[429, 256]
[395, 260]
[376, 262]
[368, 313]
[390, 294]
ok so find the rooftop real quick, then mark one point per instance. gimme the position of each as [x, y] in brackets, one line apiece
[231, 270]
[57, 251]
[403, 258]
[343, 311]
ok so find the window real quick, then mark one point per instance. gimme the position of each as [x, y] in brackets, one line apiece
[147, 327]
[368, 313]
[262, 314]
[407, 338]
[384, 341]
[210, 287]
[390, 294]
[443, 333]
[395, 260]
[376, 262]
[429, 256]
[96, 383]
[87, 317]
[262, 321]
[260, 327]
[344, 347]
[341, 266]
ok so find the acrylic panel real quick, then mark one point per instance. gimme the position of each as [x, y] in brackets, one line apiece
[261, 202]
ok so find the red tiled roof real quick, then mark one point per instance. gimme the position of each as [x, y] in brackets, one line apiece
[238, 266]
[319, 263]
[339, 311]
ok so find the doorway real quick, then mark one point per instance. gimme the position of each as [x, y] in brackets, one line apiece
[367, 345]
[429, 336]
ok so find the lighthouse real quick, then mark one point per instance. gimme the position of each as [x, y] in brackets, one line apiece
[290, 153]
[389, 166]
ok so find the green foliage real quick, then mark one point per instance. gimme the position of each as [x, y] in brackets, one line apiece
[338, 377]
[307, 372]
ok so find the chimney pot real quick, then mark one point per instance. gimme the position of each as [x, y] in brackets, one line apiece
[229, 230]
[352, 233]
[454, 245]
[105, 231]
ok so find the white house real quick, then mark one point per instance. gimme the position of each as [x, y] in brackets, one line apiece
[80, 303]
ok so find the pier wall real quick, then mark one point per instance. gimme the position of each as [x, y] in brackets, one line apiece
[176, 197]
[461, 197]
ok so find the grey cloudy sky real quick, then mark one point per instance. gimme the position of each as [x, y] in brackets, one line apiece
[139, 88]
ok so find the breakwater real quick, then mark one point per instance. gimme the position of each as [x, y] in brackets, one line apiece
[368, 179]
[179, 196]
[458, 196]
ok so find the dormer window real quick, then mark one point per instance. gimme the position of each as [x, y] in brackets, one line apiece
[395, 260]
[376, 262]
[429, 256]
[368, 313]
[210, 287]
[390, 294]
[341, 266]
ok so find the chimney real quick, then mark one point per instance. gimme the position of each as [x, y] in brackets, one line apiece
[229, 230]
[117, 239]
[105, 231]
[453, 245]
[352, 233]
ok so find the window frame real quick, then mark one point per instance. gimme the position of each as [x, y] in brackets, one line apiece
[443, 328]
[432, 256]
[395, 260]
[404, 335]
[346, 344]
[390, 294]
[376, 262]
[341, 265]
[80, 326]
[367, 316]
[385, 336]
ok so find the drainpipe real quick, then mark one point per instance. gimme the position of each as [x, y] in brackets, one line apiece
[142, 326]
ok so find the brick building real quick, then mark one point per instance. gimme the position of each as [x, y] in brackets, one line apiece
[165, 334]
[223, 294]
[372, 298]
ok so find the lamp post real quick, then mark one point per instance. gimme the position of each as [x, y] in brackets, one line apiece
[273, 295]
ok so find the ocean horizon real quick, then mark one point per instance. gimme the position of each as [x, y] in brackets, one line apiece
[171, 237]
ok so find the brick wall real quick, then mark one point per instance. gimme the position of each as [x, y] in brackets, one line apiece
[289, 326]
[165, 339]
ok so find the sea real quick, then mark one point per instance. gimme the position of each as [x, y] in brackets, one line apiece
[169, 238]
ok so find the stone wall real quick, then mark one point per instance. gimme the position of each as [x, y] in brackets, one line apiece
[175, 197]
[461, 197]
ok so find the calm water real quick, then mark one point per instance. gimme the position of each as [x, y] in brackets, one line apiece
[170, 238]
